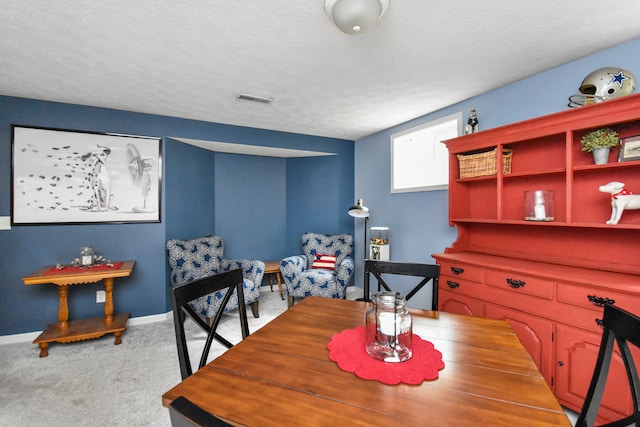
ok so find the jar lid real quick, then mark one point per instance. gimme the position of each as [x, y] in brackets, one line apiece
[389, 299]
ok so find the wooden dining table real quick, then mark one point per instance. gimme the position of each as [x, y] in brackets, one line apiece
[281, 375]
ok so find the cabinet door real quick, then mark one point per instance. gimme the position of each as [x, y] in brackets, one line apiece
[535, 333]
[577, 351]
[458, 303]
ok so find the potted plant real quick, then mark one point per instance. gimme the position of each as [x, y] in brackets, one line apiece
[600, 142]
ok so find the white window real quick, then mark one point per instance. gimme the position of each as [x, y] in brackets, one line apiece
[419, 161]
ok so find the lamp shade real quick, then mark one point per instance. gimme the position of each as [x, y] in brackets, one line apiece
[355, 16]
[359, 210]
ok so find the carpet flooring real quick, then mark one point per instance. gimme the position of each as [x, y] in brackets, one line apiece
[94, 383]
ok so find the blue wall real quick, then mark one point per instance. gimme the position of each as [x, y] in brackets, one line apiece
[419, 221]
[242, 198]
[200, 196]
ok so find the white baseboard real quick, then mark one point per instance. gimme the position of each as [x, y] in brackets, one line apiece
[17, 338]
[142, 320]
[30, 336]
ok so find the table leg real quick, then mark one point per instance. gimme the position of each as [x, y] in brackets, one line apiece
[63, 308]
[108, 301]
[44, 352]
[280, 285]
[271, 282]
[118, 336]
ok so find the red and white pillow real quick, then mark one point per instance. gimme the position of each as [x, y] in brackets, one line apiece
[328, 262]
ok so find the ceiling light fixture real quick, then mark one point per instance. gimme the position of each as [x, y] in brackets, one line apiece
[254, 98]
[355, 16]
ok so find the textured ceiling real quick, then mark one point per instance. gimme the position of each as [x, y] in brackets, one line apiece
[190, 58]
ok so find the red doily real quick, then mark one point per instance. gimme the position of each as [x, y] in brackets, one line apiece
[347, 349]
[72, 269]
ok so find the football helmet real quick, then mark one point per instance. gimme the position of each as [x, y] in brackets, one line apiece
[603, 84]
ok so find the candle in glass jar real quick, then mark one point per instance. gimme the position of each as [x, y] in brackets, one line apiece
[539, 211]
[389, 324]
[388, 328]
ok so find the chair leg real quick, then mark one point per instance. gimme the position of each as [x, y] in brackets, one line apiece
[290, 298]
[254, 309]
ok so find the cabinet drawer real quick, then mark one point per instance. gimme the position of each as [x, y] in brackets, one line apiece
[464, 271]
[582, 297]
[458, 285]
[521, 283]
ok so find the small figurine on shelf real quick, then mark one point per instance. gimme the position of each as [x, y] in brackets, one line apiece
[472, 122]
[621, 199]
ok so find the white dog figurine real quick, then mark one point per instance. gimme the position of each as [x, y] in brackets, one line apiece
[621, 199]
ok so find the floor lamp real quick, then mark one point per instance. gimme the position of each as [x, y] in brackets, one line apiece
[361, 211]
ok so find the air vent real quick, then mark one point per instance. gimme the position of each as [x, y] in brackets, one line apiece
[254, 98]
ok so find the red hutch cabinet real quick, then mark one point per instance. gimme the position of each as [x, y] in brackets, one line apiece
[549, 279]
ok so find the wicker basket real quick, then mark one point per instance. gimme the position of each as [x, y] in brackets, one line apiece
[483, 164]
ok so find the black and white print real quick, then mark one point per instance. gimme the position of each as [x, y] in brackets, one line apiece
[64, 176]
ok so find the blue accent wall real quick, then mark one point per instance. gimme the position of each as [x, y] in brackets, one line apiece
[242, 198]
[250, 195]
[419, 221]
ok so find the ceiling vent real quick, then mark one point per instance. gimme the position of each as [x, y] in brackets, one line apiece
[254, 98]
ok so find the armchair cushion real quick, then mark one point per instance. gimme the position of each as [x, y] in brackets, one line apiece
[196, 258]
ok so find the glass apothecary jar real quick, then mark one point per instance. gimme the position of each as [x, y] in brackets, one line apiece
[379, 236]
[389, 328]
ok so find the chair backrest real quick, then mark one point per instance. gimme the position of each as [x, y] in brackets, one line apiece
[622, 327]
[181, 296]
[185, 413]
[194, 258]
[427, 273]
[340, 245]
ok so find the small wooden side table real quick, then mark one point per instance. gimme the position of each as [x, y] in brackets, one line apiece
[273, 267]
[82, 329]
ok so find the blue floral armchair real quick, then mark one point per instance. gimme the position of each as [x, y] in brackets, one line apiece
[302, 280]
[201, 257]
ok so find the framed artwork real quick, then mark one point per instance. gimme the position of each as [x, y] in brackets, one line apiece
[629, 149]
[74, 177]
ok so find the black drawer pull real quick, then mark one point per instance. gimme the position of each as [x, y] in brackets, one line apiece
[515, 283]
[599, 322]
[457, 270]
[452, 285]
[599, 301]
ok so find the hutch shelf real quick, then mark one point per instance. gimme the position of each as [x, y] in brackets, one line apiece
[549, 279]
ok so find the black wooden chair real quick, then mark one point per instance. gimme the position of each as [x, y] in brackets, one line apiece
[185, 413]
[622, 327]
[428, 272]
[183, 294]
